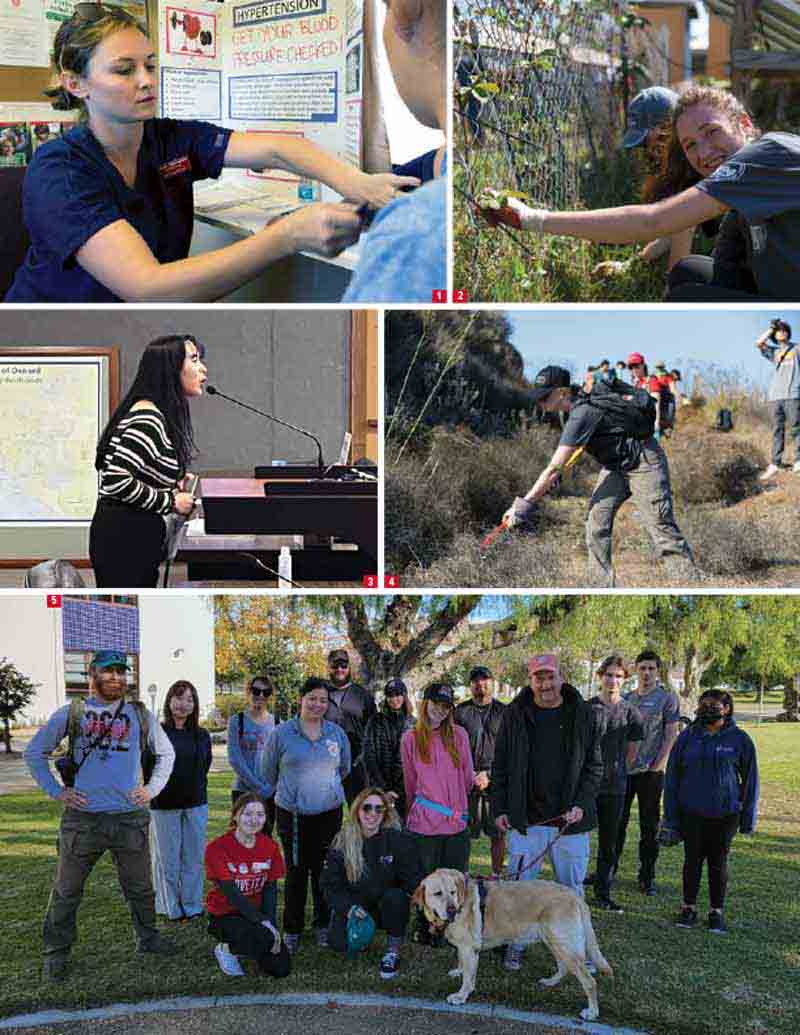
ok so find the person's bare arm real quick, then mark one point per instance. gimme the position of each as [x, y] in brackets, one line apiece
[119, 257]
[680, 245]
[293, 154]
[670, 736]
[543, 483]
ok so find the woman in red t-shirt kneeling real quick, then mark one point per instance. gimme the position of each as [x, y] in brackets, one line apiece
[244, 867]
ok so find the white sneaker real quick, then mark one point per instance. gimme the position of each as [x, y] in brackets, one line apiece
[228, 963]
[796, 468]
[769, 472]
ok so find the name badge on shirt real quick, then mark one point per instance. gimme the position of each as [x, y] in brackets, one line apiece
[175, 167]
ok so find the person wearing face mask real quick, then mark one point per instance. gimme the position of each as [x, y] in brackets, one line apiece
[382, 743]
[244, 867]
[372, 870]
[546, 773]
[438, 776]
[306, 759]
[660, 712]
[481, 716]
[717, 164]
[710, 794]
[142, 460]
[350, 706]
[105, 792]
[179, 814]
[248, 731]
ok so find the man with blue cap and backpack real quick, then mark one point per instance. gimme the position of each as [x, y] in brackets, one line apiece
[615, 425]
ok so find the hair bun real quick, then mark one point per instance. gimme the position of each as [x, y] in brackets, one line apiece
[61, 99]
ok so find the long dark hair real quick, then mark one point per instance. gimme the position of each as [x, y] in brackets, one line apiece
[176, 690]
[159, 380]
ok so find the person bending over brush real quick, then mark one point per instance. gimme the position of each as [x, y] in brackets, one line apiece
[615, 424]
[754, 180]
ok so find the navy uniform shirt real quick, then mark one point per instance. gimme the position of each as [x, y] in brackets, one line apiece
[761, 183]
[72, 191]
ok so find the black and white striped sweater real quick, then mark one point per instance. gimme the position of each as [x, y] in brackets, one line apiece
[140, 466]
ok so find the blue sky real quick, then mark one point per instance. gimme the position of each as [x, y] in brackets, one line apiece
[697, 339]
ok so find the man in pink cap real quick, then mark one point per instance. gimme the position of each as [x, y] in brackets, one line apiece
[546, 772]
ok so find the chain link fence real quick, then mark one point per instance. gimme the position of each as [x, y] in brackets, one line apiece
[540, 96]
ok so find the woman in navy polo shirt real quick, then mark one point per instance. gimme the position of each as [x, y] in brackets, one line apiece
[109, 205]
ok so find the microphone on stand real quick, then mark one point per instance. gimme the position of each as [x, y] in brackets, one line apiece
[210, 390]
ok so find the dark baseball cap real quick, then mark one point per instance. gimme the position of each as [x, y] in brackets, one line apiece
[648, 109]
[480, 672]
[340, 654]
[394, 687]
[547, 379]
[110, 659]
[442, 693]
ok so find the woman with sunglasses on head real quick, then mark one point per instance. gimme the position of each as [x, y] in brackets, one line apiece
[382, 743]
[710, 795]
[248, 732]
[244, 867]
[372, 869]
[179, 813]
[142, 459]
[438, 776]
[109, 206]
[306, 759]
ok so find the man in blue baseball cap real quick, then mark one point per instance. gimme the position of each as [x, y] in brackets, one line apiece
[105, 790]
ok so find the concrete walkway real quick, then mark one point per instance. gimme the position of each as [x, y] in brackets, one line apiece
[296, 1014]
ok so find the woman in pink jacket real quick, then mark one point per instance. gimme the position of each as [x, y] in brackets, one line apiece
[438, 776]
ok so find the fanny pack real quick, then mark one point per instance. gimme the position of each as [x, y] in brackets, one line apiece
[434, 806]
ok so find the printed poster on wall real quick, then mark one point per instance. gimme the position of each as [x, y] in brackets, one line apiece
[190, 49]
[23, 35]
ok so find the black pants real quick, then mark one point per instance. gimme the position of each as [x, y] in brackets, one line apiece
[355, 782]
[269, 807]
[450, 851]
[305, 841]
[126, 545]
[706, 840]
[610, 808]
[785, 411]
[246, 938]
[693, 280]
[647, 787]
[390, 915]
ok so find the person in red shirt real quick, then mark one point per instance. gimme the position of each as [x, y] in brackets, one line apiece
[244, 867]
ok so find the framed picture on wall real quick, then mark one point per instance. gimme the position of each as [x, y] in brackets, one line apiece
[54, 403]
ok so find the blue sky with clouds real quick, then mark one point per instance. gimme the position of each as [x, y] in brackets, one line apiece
[696, 339]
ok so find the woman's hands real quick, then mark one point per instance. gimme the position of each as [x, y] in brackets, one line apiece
[183, 503]
[378, 189]
[324, 229]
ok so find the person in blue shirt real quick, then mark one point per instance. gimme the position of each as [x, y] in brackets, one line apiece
[710, 793]
[248, 732]
[109, 205]
[403, 257]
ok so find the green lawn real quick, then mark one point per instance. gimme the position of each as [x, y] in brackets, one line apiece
[668, 981]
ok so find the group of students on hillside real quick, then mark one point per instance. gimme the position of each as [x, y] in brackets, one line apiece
[539, 773]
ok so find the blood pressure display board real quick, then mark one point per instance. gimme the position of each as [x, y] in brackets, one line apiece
[270, 66]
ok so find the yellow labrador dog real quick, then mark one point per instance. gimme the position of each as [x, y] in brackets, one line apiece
[514, 911]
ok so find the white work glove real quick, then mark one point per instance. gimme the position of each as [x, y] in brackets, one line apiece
[519, 513]
[497, 207]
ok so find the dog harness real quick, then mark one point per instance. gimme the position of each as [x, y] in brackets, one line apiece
[443, 809]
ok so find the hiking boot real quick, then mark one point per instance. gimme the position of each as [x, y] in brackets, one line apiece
[292, 943]
[389, 965]
[769, 472]
[609, 905]
[158, 946]
[228, 963]
[716, 924]
[55, 968]
[687, 918]
[513, 960]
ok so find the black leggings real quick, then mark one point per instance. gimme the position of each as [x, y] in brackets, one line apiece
[390, 914]
[126, 545]
[706, 840]
[253, 940]
[692, 280]
[305, 841]
[609, 816]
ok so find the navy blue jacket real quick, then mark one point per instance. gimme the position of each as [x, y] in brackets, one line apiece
[712, 775]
